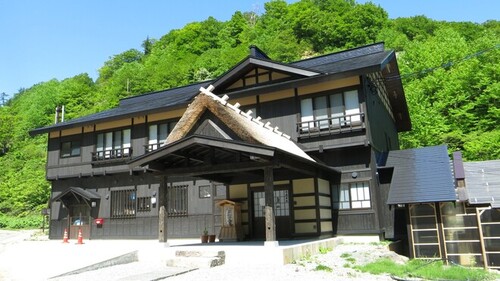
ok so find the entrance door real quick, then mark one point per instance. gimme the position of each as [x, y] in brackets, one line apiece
[79, 219]
[281, 213]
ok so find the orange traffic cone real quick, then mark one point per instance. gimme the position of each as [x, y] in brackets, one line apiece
[65, 237]
[80, 237]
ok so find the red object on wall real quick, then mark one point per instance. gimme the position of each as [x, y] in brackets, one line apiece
[99, 221]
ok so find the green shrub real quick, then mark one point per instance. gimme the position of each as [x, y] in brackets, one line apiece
[324, 250]
[26, 222]
[321, 267]
[429, 270]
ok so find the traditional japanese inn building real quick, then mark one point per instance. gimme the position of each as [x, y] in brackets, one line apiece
[296, 146]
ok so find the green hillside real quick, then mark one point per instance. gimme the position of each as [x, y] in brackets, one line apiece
[450, 72]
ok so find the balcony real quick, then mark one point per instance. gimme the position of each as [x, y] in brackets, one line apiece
[153, 146]
[112, 155]
[331, 126]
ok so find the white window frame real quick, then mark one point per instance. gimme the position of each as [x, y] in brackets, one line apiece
[354, 195]
[158, 133]
[332, 105]
[112, 144]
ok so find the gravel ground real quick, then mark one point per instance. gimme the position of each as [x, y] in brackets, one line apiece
[340, 261]
[337, 265]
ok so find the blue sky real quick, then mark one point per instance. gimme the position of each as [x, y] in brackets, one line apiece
[42, 40]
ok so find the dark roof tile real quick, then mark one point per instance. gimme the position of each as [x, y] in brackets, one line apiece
[421, 175]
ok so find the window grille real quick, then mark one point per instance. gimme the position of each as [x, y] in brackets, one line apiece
[143, 204]
[123, 203]
[177, 200]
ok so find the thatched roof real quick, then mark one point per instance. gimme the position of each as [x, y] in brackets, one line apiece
[249, 129]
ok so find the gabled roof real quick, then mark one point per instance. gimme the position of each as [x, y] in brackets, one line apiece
[222, 158]
[482, 182]
[421, 175]
[252, 62]
[77, 192]
[325, 62]
[229, 161]
[248, 129]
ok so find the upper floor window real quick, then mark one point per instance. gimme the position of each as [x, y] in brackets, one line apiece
[113, 145]
[70, 149]
[158, 134]
[330, 111]
[354, 195]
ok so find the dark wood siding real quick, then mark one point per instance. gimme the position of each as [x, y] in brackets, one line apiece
[145, 223]
[139, 137]
[346, 158]
[382, 129]
[281, 113]
[357, 223]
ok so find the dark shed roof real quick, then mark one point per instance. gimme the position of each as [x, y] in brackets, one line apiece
[482, 182]
[421, 175]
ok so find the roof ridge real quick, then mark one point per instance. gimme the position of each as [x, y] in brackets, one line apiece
[359, 51]
[247, 115]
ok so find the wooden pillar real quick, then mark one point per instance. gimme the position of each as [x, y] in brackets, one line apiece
[479, 212]
[269, 208]
[162, 215]
[162, 225]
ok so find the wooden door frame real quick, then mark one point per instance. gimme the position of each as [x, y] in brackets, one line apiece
[251, 190]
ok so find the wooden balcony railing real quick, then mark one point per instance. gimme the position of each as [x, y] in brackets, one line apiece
[153, 146]
[332, 125]
[112, 154]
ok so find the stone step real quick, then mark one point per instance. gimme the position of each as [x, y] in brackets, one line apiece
[195, 262]
[204, 253]
[197, 259]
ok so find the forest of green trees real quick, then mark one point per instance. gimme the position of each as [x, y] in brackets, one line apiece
[450, 72]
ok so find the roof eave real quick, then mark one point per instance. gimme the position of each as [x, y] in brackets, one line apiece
[395, 203]
[396, 93]
[63, 126]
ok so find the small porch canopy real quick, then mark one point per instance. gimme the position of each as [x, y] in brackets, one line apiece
[229, 161]
[77, 194]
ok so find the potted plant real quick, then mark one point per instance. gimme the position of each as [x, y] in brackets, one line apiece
[211, 238]
[204, 236]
